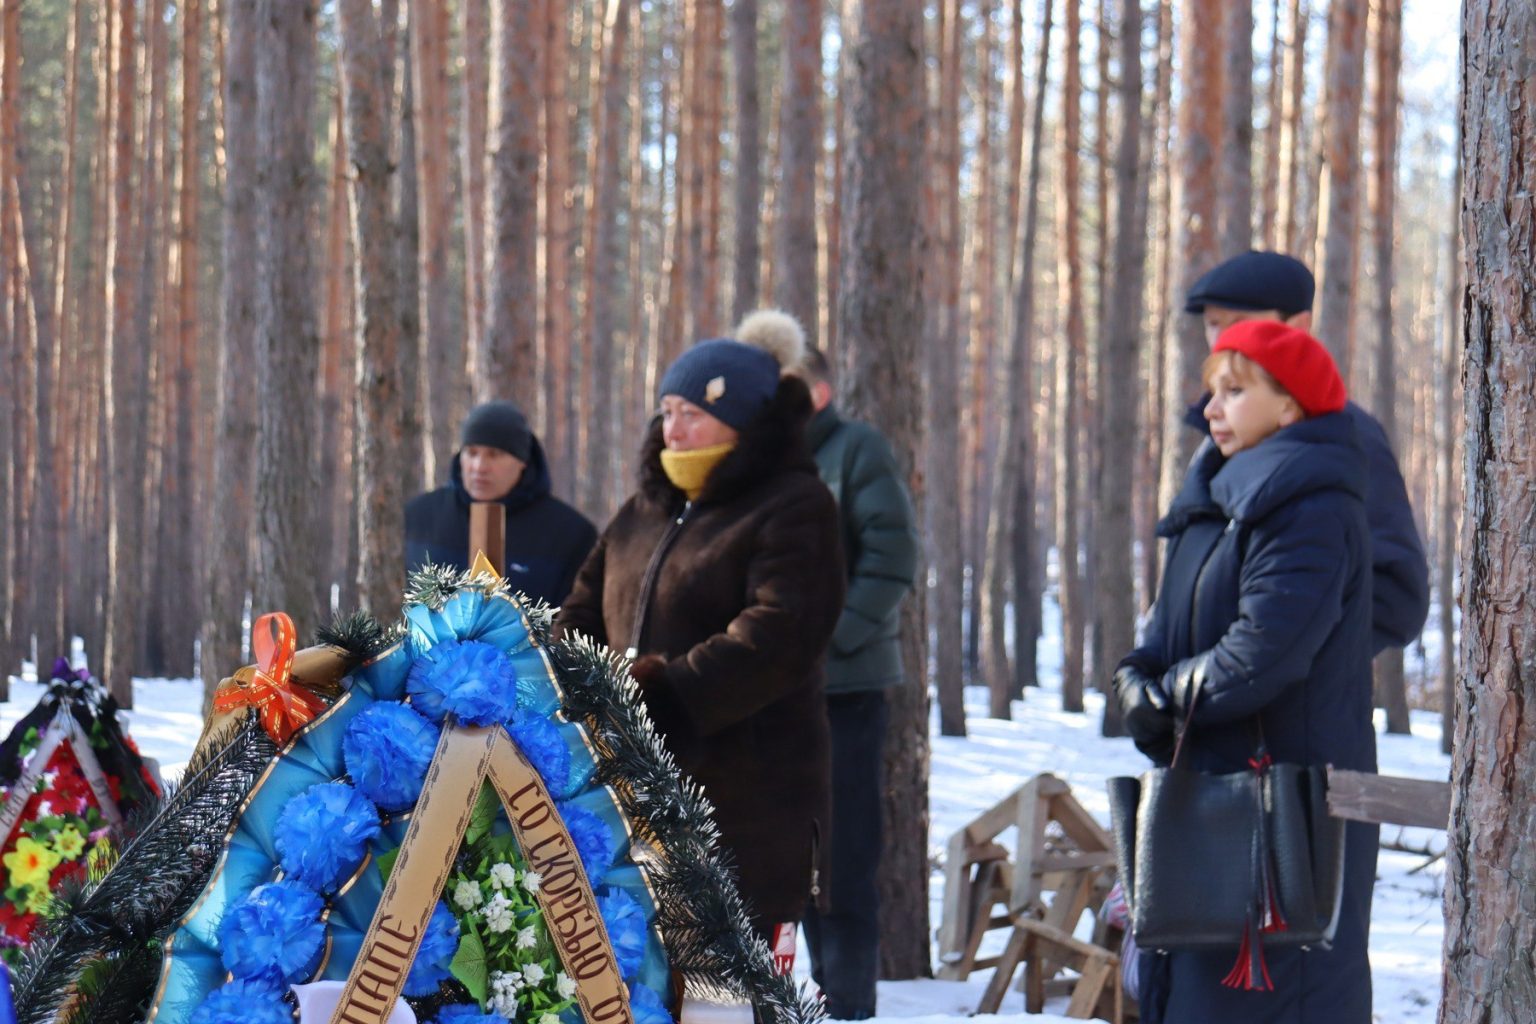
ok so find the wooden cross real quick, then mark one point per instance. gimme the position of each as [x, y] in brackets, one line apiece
[488, 533]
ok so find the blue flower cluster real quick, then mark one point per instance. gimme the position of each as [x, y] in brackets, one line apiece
[593, 839]
[274, 934]
[435, 955]
[388, 749]
[625, 922]
[243, 1001]
[646, 1007]
[472, 679]
[540, 741]
[322, 834]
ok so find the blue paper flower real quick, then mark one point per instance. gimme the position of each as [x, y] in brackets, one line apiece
[274, 933]
[646, 1006]
[625, 921]
[593, 839]
[468, 1013]
[244, 1002]
[540, 741]
[388, 749]
[323, 832]
[474, 680]
[435, 954]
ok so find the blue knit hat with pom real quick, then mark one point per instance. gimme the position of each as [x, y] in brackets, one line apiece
[730, 380]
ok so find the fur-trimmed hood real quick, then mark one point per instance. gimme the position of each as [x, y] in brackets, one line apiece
[773, 443]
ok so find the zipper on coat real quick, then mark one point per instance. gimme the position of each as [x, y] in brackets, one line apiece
[648, 581]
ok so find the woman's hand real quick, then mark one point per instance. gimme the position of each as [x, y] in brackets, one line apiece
[1146, 710]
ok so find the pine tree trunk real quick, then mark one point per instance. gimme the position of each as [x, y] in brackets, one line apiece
[603, 255]
[794, 284]
[941, 378]
[560, 420]
[1069, 359]
[880, 332]
[1269, 188]
[1011, 520]
[1195, 215]
[1237, 132]
[226, 569]
[415, 384]
[512, 309]
[1391, 689]
[474, 92]
[125, 402]
[442, 345]
[1123, 333]
[1287, 221]
[287, 345]
[1158, 413]
[338, 370]
[1339, 199]
[749, 158]
[1450, 426]
[1490, 854]
[380, 410]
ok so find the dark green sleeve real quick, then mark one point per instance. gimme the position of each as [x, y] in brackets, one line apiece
[883, 565]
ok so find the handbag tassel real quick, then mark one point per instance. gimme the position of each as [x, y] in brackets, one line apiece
[1251, 972]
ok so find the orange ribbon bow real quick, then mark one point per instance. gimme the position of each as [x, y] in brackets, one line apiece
[284, 706]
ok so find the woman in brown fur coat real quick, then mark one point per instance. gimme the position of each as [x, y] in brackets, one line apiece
[722, 577]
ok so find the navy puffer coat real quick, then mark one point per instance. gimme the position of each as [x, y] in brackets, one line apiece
[1269, 572]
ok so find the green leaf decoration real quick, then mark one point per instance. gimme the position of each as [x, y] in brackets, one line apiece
[470, 968]
[386, 863]
[484, 814]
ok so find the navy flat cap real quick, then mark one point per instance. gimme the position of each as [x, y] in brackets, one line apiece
[1253, 282]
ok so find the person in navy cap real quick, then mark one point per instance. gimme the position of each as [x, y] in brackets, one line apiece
[500, 460]
[1274, 286]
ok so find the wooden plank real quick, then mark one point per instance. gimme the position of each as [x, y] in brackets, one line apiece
[992, 998]
[1098, 971]
[986, 825]
[1034, 812]
[1388, 799]
[488, 532]
[1079, 825]
[957, 889]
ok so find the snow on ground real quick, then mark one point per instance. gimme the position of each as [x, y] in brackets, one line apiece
[970, 774]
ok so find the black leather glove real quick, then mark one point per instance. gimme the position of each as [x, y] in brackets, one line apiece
[1146, 711]
[1182, 682]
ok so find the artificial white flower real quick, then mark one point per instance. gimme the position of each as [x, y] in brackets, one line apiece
[525, 938]
[467, 895]
[532, 880]
[498, 914]
[533, 973]
[565, 985]
[502, 876]
[549, 1018]
[505, 1004]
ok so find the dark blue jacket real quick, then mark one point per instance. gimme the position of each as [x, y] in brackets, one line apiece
[547, 540]
[1268, 572]
[1401, 573]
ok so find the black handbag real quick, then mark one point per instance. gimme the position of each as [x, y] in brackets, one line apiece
[1232, 860]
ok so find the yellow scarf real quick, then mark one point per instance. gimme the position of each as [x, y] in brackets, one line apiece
[689, 470]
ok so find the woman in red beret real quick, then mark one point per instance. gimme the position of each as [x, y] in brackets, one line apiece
[1264, 619]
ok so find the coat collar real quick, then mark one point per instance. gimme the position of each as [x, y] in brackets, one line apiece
[822, 426]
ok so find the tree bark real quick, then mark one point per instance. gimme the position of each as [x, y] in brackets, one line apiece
[474, 91]
[1391, 689]
[1237, 132]
[414, 384]
[1011, 520]
[1069, 393]
[795, 288]
[880, 332]
[941, 378]
[1450, 426]
[1339, 199]
[1287, 221]
[749, 159]
[512, 313]
[604, 256]
[1195, 215]
[125, 402]
[559, 418]
[1122, 346]
[1490, 854]
[380, 419]
[287, 345]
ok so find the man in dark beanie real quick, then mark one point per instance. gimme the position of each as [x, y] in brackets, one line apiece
[1274, 286]
[499, 459]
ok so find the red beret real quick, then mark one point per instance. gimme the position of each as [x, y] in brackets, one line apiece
[1298, 361]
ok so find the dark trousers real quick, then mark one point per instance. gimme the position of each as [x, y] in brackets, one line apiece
[844, 941]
